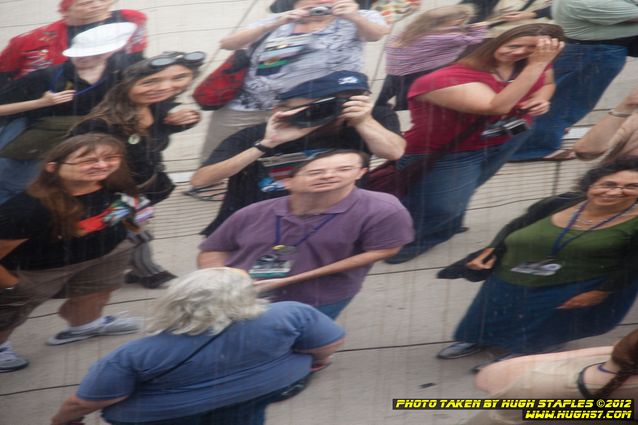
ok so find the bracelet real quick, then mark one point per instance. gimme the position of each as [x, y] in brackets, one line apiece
[262, 148]
[615, 113]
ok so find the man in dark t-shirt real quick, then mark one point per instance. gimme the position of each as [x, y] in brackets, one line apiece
[331, 112]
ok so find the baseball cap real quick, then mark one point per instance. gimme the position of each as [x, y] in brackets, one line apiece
[328, 85]
[103, 39]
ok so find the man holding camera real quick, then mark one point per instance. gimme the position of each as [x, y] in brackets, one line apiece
[331, 112]
[316, 245]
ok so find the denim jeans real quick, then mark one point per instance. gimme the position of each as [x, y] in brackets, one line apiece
[333, 310]
[582, 72]
[437, 202]
[15, 176]
[251, 412]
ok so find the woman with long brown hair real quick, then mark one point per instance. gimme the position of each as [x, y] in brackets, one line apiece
[139, 112]
[464, 119]
[66, 237]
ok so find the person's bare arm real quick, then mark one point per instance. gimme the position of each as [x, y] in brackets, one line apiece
[381, 141]
[278, 132]
[8, 279]
[207, 259]
[75, 408]
[478, 98]
[47, 99]
[598, 139]
[321, 355]
[366, 29]
[358, 260]
[539, 101]
[500, 375]
[242, 38]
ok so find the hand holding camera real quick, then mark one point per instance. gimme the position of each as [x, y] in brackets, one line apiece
[280, 130]
[357, 109]
[345, 8]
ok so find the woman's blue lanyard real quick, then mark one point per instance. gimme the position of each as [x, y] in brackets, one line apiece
[77, 93]
[304, 237]
[557, 246]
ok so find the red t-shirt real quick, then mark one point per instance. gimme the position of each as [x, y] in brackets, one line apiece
[42, 47]
[434, 126]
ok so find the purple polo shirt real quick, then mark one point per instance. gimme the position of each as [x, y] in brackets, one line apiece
[363, 221]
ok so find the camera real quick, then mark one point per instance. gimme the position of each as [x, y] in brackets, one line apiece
[320, 11]
[508, 126]
[318, 113]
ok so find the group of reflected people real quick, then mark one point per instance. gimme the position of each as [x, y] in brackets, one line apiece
[88, 114]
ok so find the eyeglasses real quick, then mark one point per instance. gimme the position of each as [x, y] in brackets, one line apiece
[628, 188]
[172, 58]
[92, 161]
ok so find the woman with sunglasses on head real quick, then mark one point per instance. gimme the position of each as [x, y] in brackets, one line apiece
[464, 117]
[316, 38]
[66, 237]
[565, 270]
[139, 112]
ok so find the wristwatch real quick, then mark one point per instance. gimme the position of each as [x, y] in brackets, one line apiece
[259, 146]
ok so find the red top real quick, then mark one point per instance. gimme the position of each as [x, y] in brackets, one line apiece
[42, 47]
[435, 126]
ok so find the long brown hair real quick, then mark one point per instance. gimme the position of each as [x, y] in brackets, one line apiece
[431, 20]
[48, 188]
[625, 355]
[482, 58]
[116, 108]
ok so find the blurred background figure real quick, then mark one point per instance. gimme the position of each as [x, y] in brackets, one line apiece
[565, 270]
[433, 39]
[600, 35]
[139, 112]
[467, 120]
[289, 49]
[615, 136]
[218, 355]
[43, 105]
[57, 240]
[42, 47]
[590, 373]
[503, 15]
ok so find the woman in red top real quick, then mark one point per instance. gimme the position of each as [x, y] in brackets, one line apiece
[486, 98]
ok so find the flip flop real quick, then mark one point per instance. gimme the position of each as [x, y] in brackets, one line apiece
[560, 155]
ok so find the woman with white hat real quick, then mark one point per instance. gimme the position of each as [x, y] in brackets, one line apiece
[51, 99]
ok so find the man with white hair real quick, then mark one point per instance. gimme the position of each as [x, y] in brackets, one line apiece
[316, 245]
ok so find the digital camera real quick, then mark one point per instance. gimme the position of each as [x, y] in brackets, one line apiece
[320, 11]
[318, 113]
[508, 126]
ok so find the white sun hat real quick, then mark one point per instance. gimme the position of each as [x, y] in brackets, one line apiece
[103, 39]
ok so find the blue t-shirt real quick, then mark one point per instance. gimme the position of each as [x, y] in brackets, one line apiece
[249, 359]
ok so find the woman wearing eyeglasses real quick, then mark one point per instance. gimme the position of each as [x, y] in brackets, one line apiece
[565, 270]
[66, 237]
[139, 112]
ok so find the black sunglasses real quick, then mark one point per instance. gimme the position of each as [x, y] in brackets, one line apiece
[173, 58]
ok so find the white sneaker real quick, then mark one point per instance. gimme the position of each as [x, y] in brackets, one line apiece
[10, 361]
[111, 325]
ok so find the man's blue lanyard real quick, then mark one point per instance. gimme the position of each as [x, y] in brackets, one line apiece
[557, 246]
[77, 93]
[304, 237]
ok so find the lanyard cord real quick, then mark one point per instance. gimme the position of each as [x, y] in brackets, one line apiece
[557, 246]
[59, 74]
[304, 237]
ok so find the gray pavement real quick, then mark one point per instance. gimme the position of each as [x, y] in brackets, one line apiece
[396, 324]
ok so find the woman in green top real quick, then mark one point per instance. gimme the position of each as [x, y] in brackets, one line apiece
[563, 271]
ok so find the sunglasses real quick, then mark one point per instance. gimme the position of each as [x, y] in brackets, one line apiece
[173, 58]
[317, 113]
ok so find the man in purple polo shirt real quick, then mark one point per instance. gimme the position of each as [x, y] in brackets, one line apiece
[317, 244]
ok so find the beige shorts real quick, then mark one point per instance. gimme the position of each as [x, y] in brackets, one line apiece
[34, 287]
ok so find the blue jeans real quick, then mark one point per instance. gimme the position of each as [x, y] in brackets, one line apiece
[15, 176]
[333, 310]
[582, 72]
[251, 412]
[437, 202]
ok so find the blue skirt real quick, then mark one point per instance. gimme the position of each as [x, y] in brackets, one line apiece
[525, 320]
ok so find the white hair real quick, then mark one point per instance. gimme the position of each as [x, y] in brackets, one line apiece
[206, 300]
